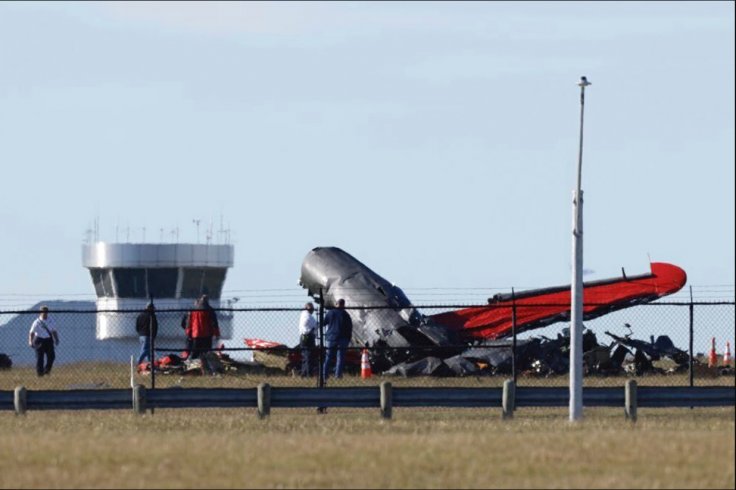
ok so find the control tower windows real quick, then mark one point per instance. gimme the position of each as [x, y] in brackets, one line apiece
[198, 281]
[131, 283]
[102, 280]
[213, 281]
[162, 282]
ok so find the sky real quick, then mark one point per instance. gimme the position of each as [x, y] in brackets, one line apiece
[436, 142]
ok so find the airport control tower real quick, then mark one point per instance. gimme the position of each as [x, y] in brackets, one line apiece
[125, 275]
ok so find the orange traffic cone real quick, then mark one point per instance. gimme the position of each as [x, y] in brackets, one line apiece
[713, 357]
[727, 355]
[365, 365]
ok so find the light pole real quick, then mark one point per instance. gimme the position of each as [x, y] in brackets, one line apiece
[576, 308]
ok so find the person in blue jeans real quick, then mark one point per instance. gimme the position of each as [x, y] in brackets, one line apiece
[338, 333]
[147, 327]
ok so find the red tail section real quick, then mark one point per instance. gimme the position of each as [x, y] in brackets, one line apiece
[538, 308]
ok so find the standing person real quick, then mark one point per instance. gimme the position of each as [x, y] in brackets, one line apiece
[42, 337]
[147, 327]
[343, 340]
[212, 316]
[337, 337]
[203, 327]
[307, 329]
[187, 327]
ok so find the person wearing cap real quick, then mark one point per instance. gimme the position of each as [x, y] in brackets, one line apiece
[307, 330]
[147, 327]
[42, 337]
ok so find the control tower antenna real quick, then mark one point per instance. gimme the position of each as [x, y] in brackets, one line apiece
[196, 222]
[208, 233]
[221, 231]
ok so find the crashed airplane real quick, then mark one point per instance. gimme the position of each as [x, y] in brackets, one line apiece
[402, 339]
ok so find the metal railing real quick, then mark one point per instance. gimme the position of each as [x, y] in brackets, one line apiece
[385, 397]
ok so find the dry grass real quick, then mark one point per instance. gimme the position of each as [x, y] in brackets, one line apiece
[420, 448]
[110, 375]
[666, 448]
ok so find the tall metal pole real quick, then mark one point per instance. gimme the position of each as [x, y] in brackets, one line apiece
[576, 308]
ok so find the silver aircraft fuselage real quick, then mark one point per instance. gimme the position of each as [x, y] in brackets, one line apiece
[382, 314]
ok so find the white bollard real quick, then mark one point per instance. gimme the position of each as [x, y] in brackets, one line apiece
[508, 399]
[630, 400]
[19, 400]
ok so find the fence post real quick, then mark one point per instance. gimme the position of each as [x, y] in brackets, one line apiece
[19, 400]
[321, 316]
[139, 399]
[630, 399]
[152, 346]
[690, 362]
[508, 399]
[513, 333]
[386, 399]
[264, 400]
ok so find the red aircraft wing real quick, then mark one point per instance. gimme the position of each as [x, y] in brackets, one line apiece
[541, 307]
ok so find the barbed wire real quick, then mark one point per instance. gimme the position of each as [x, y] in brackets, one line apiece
[301, 291]
[420, 297]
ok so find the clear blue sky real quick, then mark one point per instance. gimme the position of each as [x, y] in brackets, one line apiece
[436, 142]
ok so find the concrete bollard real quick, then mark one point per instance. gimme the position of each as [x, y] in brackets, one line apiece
[139, 399]
[508, 399]
[19, 400]
[630, 399]
[386, 399]
[264, 400]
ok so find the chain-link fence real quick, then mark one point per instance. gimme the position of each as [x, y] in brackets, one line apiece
[656, 343]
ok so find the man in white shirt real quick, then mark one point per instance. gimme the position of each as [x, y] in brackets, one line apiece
[42, 337]
[307, 333]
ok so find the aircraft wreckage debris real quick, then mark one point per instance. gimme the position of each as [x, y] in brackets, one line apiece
[471, 341]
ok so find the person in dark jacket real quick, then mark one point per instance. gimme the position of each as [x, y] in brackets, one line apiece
[203, 327]
[147, 327]
[338, 333]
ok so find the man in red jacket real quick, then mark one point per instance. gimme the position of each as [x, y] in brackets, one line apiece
[203, 327]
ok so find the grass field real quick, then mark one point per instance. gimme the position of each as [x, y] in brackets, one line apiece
[467, 448]
[109, 375]
[419, 448]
